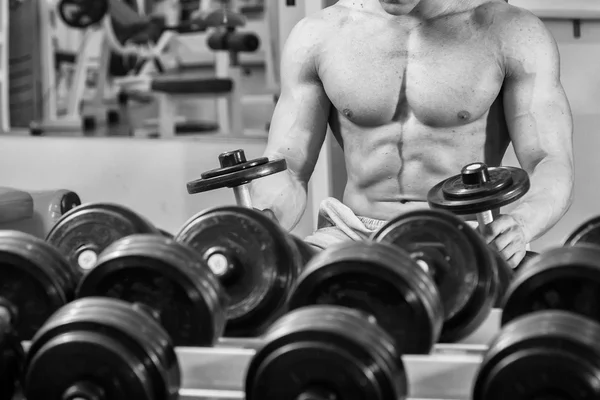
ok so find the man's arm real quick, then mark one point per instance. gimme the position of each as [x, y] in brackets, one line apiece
[298, 127]
[540, 123]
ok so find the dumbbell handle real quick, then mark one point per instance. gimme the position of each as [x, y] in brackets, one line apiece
[242, 195]
[484, 218]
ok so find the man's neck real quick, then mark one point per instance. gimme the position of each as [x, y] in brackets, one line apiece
[425, 10]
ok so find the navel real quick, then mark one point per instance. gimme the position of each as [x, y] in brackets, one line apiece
[464, 115]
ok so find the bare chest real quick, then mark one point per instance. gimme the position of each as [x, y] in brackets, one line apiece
[441, 77]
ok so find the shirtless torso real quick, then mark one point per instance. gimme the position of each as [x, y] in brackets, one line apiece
[411, 99]
[411, 104]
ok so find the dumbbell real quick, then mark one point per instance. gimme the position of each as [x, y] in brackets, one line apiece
[326, 352]
[543, 355]
[81, 14]
[551, 329]
[35, 281]
[254, 258]
[167, 280]
[456, 257]
[479, 190]
[236, 173]
[101, 349]
[85, 231]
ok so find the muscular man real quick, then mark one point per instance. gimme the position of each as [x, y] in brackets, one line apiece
[413, 90]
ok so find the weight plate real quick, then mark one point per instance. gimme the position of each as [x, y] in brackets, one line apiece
[544, 355]
[255, 260]
[237, 178]
[165, 278]
[34, 278]
[380, 280]
[234, 168]
[505, 277]
[452, 195]
[84, 232]
[459, 261]
[566, 278]
[11, 360]
[326, 352]
[81, 14]
[101, 345]
[587, 232]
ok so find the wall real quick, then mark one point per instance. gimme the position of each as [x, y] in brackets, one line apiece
[147, 175]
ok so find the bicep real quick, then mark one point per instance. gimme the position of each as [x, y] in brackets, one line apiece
[299, 122]
[535, 104]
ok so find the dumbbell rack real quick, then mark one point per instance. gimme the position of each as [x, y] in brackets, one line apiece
[448, 373]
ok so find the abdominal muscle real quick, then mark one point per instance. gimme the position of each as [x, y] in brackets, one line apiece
[391, 168]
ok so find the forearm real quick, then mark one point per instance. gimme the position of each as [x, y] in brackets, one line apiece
[282, 193]
[548, 199]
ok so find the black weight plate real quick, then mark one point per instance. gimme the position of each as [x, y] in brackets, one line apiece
[566, 278]
[483, 201]
[262, 259]
[587, 232]
[84, 232]
[11, 360]
[34, 278]
[544, 355]
[505, 277]
[213, 173]
[460, 263]
[500, 178]
[380, 280]
[81, 14]
[104, 344]
[167, 279]
[237, 178]
[326, 352]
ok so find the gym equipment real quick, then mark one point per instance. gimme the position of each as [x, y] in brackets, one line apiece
[233, 41]
[505, 277]
[166, 279]
[101, 349]
[81, 14]
[236, 172]
[544, 355]
[82, 233]
[35, 281]
[457, 259]
[587, 232]
[565, 278]
[255, 260]
[11, 354]
[224, 18]
[479, 190]
[382, 281]
[326, 352]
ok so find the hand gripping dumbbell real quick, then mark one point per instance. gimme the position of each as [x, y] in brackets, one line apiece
[479, 190]
[85, 231]
[255, 259]
[165, 279]
[101, 349]
[81, 14]
[35, 281]
[549, 344]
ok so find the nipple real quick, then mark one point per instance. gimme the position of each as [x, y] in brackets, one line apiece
[348, 113]
[464, 115]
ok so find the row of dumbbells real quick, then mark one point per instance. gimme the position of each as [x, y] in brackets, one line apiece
[343, 342]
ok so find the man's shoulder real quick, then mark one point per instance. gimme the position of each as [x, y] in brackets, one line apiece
[515, 28]
[320, 25]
